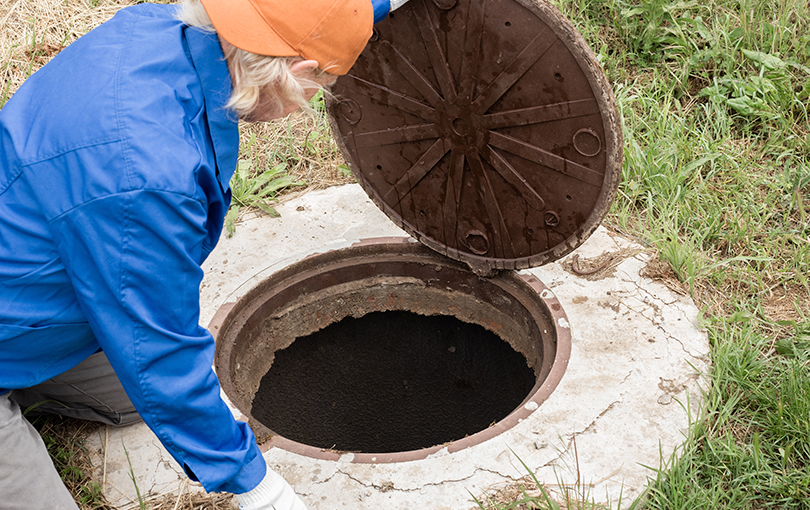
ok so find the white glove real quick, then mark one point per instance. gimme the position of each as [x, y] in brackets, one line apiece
[396, 4]
[272, 493]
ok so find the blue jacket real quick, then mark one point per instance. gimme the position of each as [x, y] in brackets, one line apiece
[115, 160]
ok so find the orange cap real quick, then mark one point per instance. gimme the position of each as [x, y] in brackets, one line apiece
[332, 32]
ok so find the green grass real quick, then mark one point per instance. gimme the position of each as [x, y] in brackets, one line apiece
[64, 439]
[714, 98]
[284, 155]
[752, 448]
[252, 188]
[141, 503]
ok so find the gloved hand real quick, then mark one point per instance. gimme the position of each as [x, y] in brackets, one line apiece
[272, 493]
[383, 7]
[396, 4]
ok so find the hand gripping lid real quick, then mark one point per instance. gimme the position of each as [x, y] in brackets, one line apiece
[486, 129]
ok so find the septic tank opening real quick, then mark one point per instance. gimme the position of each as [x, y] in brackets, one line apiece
[391, 381]
[498, 347]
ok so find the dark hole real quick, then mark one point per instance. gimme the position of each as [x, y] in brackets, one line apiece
[379, 167]
[558, 77]
[391, 381]
[508, 24]
[568, 197]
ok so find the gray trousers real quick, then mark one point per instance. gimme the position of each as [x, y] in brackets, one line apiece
[89, 391]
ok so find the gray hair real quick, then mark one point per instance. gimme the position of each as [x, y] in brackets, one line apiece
[253, 75]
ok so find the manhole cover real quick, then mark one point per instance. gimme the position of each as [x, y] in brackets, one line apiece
[486, 130]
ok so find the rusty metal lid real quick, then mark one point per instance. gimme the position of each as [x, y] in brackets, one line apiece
[486, 129]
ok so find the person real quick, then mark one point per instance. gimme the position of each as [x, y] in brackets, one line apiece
[115, 161]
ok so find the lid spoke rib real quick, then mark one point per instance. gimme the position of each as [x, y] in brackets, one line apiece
[533, 153]
[540, 114]
[388, 97]
[472, 51]
[452, 198]
[435, 52]
[396, 135]
[512, 73]
[494, 213]
[458, 174]
[417, 171]
[514, 178]
[412, 74]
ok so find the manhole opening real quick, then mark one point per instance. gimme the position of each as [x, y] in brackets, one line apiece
[388, 348]
[391, 381]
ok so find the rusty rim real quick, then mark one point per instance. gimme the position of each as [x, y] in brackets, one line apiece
[307, 293]
[485, 129]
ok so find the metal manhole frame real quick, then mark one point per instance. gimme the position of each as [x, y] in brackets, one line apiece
[231, 318]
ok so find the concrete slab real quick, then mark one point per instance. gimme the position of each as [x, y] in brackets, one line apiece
[625, 402]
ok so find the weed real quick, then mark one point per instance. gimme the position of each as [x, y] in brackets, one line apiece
[532, 494]
[255, 189]
[303, 142]
[141, 502]
[64, 440]
[716, 177]
[5, 95]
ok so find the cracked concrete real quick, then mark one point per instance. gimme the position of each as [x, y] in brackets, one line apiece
[638, 361]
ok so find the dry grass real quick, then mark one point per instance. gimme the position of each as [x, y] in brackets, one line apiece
[64, 438]
[501, 495]
[525, 494]
[600, 267]
[34, 31]
[193, 501]
[304, 143]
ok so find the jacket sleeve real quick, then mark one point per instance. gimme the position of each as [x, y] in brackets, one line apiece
[133, 258]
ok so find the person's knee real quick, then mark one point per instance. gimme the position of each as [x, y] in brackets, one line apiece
[127, 419]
